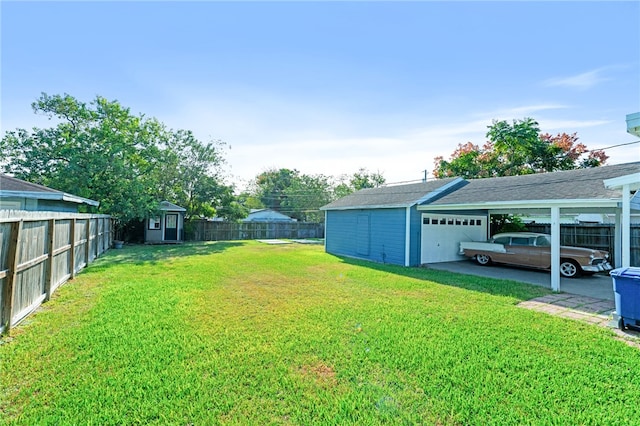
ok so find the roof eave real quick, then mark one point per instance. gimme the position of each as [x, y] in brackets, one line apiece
[79, 200]
[54, 196]
[524, 204]
[633, 180]
[381, 206]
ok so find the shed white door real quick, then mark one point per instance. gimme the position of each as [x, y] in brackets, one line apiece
[442, 234]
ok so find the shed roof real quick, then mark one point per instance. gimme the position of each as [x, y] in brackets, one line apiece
[14, 187]
[165, 205]
[578, 184]
[394, 196]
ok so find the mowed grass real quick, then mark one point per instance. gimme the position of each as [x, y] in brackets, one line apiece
[245, 333]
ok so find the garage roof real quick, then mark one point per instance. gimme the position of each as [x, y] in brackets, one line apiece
[579, 187]
[395, 196]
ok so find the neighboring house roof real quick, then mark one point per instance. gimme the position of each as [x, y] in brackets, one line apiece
[571, 186]
[13, 187]
[165, 205]
[266, 215]
[395, 196]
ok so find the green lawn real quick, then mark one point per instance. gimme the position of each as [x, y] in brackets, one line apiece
[246, 333]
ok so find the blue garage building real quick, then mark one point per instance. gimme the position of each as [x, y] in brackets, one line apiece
[382, 224]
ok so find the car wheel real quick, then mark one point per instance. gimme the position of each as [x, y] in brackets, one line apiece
[483, 259]
[569, 268]
[621, 324]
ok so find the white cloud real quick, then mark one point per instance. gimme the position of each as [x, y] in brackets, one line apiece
[583, 81]
[522, 111]
[564, 125]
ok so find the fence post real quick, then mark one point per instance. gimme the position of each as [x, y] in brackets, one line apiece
[72, 257]
[96, 238]
[49, 279]
[87, 247]
[12, 261]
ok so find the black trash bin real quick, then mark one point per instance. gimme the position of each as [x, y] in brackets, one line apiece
[626, 286]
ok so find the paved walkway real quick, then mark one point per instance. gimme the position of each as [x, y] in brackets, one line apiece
[583, 308]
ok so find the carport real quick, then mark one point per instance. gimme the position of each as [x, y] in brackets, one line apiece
[604, 190]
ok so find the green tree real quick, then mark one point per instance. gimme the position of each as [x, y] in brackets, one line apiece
[270, 187]
[102, 151]
[305, 195]
[362, 179]
[517, 148]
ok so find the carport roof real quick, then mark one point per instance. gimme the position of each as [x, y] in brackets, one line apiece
[394, 196]
[571, 187]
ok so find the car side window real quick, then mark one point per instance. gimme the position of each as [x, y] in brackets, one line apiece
[501, 240]
[519, 241]
[542, 242]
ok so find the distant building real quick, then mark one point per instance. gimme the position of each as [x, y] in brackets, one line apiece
[267, 215]
[17, 194]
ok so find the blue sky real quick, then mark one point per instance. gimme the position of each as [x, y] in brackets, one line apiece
[330, 87]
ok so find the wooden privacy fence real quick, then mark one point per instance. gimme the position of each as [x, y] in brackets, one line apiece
[598, 236]
[39, 251]
[203, 230]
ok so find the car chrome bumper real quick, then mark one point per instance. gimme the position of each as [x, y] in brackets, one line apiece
[605, 266]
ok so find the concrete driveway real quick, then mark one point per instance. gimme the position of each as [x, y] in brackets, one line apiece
[599, 286]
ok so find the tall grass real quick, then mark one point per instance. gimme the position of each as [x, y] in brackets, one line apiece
[243, 333]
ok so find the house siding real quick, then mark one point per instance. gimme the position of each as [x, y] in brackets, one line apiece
[32, 204]
[377, 234]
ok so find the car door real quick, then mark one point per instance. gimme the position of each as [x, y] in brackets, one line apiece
[520, 251]
[543, 252]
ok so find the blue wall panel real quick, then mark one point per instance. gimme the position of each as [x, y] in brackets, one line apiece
[343, 234]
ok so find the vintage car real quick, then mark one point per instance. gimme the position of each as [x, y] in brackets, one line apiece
[533, 250]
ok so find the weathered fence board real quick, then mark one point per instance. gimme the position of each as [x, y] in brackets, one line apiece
[599, 236]
[224, 231]
[39, 251]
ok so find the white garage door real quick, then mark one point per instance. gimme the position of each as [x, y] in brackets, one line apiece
[442, 234]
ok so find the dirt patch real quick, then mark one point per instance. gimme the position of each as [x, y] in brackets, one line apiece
[321, 373]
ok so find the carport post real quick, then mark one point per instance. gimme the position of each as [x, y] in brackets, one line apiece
[555, 248]
[617, 240]
[626, 226]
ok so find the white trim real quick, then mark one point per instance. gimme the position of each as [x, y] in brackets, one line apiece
[407, 238]
[633, 180]
[440, 190]
[626, 226]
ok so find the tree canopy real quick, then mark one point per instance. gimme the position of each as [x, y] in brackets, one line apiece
[518, 148]
[128, 163]
[300, 195]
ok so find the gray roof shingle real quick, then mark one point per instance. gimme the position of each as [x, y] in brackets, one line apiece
[389, 196]
[578, 184]
[8, 183]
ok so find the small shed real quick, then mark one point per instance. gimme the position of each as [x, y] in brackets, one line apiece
[167, 227]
